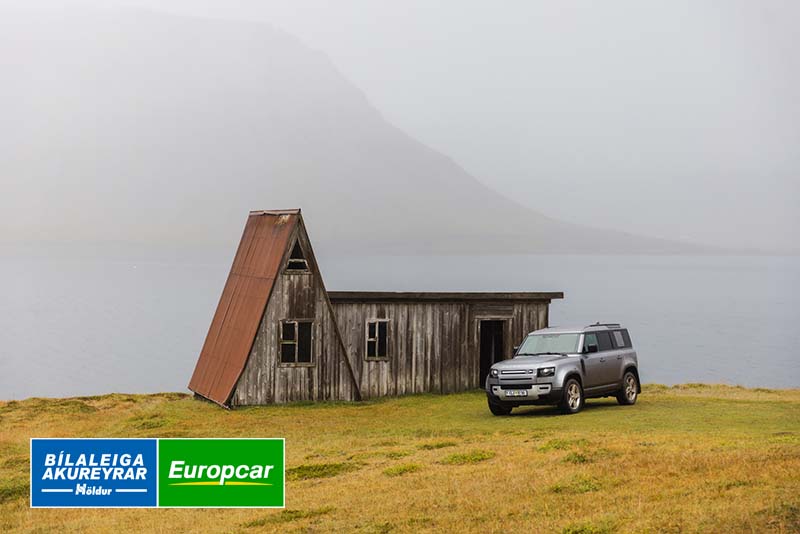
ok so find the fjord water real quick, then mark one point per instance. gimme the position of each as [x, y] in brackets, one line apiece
[90, 326]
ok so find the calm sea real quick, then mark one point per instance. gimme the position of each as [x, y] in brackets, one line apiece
[88, 326]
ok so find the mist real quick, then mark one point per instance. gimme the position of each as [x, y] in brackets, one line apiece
[675, 121]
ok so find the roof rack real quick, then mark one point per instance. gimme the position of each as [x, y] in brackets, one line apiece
[604, 324]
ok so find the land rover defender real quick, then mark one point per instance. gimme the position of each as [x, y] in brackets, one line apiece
[565, 366]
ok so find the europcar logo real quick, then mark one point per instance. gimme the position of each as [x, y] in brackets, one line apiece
[178, 469]
[221, 472]
[88, 473]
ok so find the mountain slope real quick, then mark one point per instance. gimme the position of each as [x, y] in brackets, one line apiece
[136, 126]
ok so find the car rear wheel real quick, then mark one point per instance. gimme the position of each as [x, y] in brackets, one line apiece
[498, 408]
[572, 397]
[630, 389]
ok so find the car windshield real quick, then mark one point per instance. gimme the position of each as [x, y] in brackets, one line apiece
[553, 343]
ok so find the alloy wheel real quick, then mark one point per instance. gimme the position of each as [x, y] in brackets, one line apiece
[630, 387]
[573, 396]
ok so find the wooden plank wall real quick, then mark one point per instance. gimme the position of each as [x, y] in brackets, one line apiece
[265, 380]
[433, 346]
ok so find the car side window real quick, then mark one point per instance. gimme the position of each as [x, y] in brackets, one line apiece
[589, 339]
[603, 341]
[619, 341]
[627, 339]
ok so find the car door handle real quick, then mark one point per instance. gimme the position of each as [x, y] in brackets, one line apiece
[602, 359]
[619, 356]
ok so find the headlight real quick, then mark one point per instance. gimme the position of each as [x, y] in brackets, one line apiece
[495, 372]
[546, 371]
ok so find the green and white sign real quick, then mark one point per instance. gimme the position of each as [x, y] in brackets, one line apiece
[221, 473]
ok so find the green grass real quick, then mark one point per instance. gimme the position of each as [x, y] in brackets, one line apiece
[306, 471]
[11, 490]
[576, 484]
[148, 421]
[437, 445]
[562, 444]
[691, 458]
[287, 516]
[471, 457]
[589, 528]
[394, 455]
[576, 458]
[402, 470]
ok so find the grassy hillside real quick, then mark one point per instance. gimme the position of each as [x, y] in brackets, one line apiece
[689, 458]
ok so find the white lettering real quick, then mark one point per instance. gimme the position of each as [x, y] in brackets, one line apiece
[221, 473]
[83, 489]
[227, 472]
[174, 469]
[213, 469]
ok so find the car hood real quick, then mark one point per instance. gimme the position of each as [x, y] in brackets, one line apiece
[527, 362]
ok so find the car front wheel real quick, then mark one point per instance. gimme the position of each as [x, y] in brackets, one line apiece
[630, 389]
[571, 397]
[498, 408]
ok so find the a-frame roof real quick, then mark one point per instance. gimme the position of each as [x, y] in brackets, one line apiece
[257, 264]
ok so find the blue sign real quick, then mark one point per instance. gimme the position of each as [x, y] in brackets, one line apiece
[87, 473]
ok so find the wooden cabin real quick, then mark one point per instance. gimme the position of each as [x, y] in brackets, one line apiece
[279, 336]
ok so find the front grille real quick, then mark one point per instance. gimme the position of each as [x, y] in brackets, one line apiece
[514, 372]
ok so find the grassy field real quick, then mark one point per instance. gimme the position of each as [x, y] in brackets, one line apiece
[688, 458]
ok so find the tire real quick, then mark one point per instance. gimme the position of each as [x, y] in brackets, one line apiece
[629, 392]
[498, 408]
[572, 399]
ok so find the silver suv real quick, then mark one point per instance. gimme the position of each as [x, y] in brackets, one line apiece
[565, 366]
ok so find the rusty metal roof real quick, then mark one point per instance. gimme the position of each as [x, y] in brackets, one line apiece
[244, 298]
[394, 296]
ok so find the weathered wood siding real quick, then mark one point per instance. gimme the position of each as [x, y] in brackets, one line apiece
[265, 380]
[433, 346]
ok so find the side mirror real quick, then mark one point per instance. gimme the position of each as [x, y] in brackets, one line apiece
[590, 348]
[516, 349]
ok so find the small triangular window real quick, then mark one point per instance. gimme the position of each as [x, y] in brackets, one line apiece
[297, 260]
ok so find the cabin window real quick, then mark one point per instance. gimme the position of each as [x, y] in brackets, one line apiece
[377, 339]
[297, 260]
[296, 341]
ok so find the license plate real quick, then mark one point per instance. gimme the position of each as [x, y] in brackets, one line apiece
[516, 393]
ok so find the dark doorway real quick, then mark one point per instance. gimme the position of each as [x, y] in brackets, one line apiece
[491, 346]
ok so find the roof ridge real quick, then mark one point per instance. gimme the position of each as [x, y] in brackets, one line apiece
[444, 295]
[292, 211]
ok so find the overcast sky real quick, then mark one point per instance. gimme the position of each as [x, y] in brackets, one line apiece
[671, 119]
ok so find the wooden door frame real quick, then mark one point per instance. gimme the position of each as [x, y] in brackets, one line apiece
[506, 335]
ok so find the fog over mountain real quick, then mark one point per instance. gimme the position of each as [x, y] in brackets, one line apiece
[135, 126]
